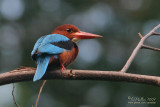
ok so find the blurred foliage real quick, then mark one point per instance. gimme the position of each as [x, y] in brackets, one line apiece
[22, 22]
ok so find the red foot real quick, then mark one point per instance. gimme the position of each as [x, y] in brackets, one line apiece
[63, 68]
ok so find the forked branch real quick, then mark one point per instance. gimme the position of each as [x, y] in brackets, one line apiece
[139, 46]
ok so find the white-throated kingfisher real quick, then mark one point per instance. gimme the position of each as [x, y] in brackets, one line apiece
[57, 50]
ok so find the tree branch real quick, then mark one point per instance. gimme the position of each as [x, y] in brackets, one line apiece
[40, 91]
[140, 35]
[139, 46]
[14, 99]
[155, 33]
[151, 48]
[27, 73]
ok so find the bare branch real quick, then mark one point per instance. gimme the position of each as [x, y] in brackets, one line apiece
[27, 73]
[136, 50]
[151, 48]
[154, 33]
[140, 35]
[40, 92]
[14, 96]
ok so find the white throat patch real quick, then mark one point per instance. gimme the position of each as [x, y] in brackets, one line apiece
[75, 39]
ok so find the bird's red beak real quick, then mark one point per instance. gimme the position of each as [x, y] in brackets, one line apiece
[85, 35]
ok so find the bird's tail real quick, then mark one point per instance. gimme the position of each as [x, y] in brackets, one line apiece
[42, 64]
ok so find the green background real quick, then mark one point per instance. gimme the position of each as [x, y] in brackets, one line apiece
[22, 22]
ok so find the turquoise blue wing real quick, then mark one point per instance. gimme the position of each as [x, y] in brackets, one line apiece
[46, 45]
[49, 49]
[37, 44]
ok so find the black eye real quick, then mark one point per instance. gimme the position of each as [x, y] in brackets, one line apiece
[68, 30]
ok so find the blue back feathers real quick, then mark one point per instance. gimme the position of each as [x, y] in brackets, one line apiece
[37, 44]
[45, 45]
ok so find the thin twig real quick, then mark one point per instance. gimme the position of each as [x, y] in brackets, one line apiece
[140, 35]
[136, 50]
[155, 33]
[40, 92]
[14, 96]
[151, 48]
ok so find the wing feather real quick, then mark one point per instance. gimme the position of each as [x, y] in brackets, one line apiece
[42, 64]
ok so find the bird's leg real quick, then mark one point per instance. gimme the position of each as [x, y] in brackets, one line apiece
[63, 68]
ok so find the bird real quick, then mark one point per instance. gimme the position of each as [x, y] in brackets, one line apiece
[58, 49]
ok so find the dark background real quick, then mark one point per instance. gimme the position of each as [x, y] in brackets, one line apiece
[22, 22]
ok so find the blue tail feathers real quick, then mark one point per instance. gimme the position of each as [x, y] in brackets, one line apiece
[42, 64]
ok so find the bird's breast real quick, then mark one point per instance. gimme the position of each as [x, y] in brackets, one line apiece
[65, 58]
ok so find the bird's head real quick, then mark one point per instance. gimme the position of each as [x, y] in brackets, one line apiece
[73, 33]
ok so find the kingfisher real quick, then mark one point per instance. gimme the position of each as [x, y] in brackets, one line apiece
[58, 49]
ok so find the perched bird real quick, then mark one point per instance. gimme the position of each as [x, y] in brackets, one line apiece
[57, 50]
